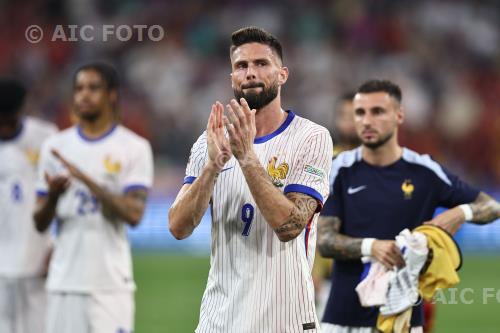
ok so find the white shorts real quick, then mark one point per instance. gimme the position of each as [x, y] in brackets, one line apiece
[103, 312]
[22, 305]
[331, 328]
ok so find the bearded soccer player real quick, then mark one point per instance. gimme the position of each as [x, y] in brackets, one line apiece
[377, 190]
[264, 172]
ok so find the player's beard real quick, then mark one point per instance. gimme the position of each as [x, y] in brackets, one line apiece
[89, 115]
[258, 100]
[378, 143]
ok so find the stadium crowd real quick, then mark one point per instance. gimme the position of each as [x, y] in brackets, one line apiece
[444, 54]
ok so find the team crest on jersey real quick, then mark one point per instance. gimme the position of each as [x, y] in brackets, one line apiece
[277, 173]
[111, 166]
[32, 156]
[407, 188]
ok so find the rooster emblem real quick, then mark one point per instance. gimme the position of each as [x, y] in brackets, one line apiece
[407, 188]
[277, 174]
[32, 156]
[112, 167]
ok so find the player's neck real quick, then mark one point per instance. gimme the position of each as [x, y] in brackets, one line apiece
[97, 127]
[269, 118]
[384, 155]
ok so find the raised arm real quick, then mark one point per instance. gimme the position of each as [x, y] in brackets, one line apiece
[128, 207]
[193, 199]
[191, 203]
[286, 214]
[46, 204]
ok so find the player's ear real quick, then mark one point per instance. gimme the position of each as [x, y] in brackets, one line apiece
[400, 115]
[283, 75]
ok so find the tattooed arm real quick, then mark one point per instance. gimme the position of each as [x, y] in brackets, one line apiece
[286, 214]
[333, 244]
[301, 213]
[485, 209]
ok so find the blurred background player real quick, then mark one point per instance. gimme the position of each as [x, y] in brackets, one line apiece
[24, 253]
[378, 190]
[344, 133]
[265, 182]
[93, 178]
[344, 138]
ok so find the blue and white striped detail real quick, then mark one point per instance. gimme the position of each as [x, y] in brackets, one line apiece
[426, 161]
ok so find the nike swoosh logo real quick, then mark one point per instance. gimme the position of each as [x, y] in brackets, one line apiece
[226, 169]
[351, 190]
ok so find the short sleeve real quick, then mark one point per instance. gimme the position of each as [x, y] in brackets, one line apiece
[334, 203]
[139, 172]
[197, 159]
[311, 170]
[453, 191]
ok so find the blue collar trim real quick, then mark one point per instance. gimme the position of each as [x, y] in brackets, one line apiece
[99, 138]
[283, 127]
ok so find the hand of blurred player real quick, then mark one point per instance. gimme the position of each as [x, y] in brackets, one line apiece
[57, 184]
[219, 151]
[240, 124]
[387, 253]
[73, 171]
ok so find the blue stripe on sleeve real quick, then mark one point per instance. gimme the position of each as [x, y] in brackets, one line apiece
[304, 189]
[189, 179]
[133, 187]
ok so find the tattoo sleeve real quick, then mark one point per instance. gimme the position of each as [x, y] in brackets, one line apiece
[332, 244]
[302, 211]
[485, 209]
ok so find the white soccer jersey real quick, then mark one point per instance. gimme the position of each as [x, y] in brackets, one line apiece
[92, 252]
[256, 282]
[22, 248]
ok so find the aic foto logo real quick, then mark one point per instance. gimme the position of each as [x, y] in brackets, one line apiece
[89, 33]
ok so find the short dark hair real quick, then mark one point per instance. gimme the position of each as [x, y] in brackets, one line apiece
[347, 96]
[106, 71]
[255, 35]
[387, 86]
[12, 94]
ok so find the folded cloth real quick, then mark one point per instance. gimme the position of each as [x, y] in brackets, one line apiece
[441, 272]
[372, 290]
[446, 261]
[403, 293]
